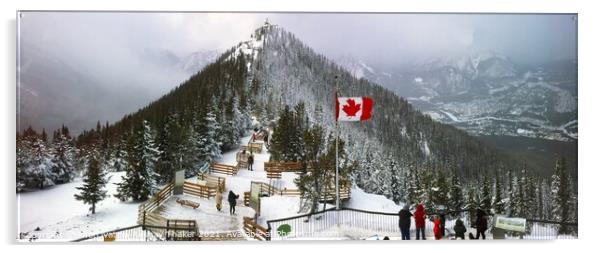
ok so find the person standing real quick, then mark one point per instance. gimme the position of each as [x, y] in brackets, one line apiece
[232, 201]
[460, 229]
[404, 222]
[250, 161]
[218, 200]
[481, 223]
[437, 228]
[266, 138]
[419, 217]
[442, 223]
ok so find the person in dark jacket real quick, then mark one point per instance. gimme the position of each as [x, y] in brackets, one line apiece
[404, 222]
[459, 229]
[442, 223]
[250, 161]
[481, 223]
[232, 201]
[419, 217]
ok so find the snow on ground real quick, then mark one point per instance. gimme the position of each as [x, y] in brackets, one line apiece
[208, 218]
[62, 218]
[371, 202]
[241, 182]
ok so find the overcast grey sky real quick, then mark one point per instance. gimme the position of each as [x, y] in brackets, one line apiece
[110, 48]
[100, 38]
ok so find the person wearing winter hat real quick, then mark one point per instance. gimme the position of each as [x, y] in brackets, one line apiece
[419, 217]
[404, 222]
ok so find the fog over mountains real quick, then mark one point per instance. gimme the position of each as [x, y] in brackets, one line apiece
[488, 74]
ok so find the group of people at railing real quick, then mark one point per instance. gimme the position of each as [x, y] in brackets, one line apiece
[419, 215]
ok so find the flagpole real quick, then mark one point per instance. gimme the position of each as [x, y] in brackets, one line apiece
[336, 160]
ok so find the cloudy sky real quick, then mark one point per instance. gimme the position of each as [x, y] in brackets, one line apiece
[110, 46]
[381, 37]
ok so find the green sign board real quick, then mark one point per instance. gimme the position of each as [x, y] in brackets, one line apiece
[510, 223]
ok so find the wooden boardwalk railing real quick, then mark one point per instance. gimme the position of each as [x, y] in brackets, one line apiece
[157, 200]
[198, 190]
[255, 230]
[225, 169]
[214, 181]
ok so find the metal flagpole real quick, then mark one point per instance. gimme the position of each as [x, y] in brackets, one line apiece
[336, 160]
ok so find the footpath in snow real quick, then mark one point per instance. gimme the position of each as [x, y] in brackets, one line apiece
[60, 217]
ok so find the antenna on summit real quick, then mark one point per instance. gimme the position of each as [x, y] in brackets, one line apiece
[267, 22]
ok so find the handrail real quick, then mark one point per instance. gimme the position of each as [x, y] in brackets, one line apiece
[395, 214]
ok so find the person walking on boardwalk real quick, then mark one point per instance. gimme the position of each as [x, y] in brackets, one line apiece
[404, 222]
[232, 201]
[250, 161]
[481, 223]
[419, 217]
[460, 229]
[218, 200]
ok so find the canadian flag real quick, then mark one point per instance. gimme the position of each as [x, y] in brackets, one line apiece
[353, 108]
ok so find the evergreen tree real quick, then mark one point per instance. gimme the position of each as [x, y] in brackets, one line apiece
[498, 201]
[485, 203]
[62, 156]
[120, 158]
[440, 191]
[561, 195]
[141, 179]
[456, 195]
[95, 180]
[396, 181]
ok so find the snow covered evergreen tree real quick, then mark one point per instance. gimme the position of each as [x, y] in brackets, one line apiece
[141, 179]
[39, 173]
[498, 200]
[456, 200]
[95, 180]
[120, 157]
[561, 195]
[485, 203]
[62, 156]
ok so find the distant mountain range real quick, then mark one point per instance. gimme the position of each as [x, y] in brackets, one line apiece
[53, 92]
[486, 93]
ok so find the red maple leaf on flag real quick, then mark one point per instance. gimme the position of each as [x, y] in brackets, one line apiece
[351, 108]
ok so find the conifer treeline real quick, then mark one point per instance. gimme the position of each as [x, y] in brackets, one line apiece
[185, 128]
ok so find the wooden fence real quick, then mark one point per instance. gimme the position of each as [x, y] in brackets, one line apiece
[270, 190]
[247, 198]
[255, 147]
[242, 159]
[214, 181]
[225, 169]
[255, 230]
[274, 169]
[157, 200]
[202, 191]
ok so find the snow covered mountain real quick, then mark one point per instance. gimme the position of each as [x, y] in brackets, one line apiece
[195, 61]
[288, 72]
[486, 93]
[93, 96]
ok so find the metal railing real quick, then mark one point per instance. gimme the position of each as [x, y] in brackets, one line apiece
[349, 223]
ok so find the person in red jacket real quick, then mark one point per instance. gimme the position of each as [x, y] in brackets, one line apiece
[419, 217]
[436, 228]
